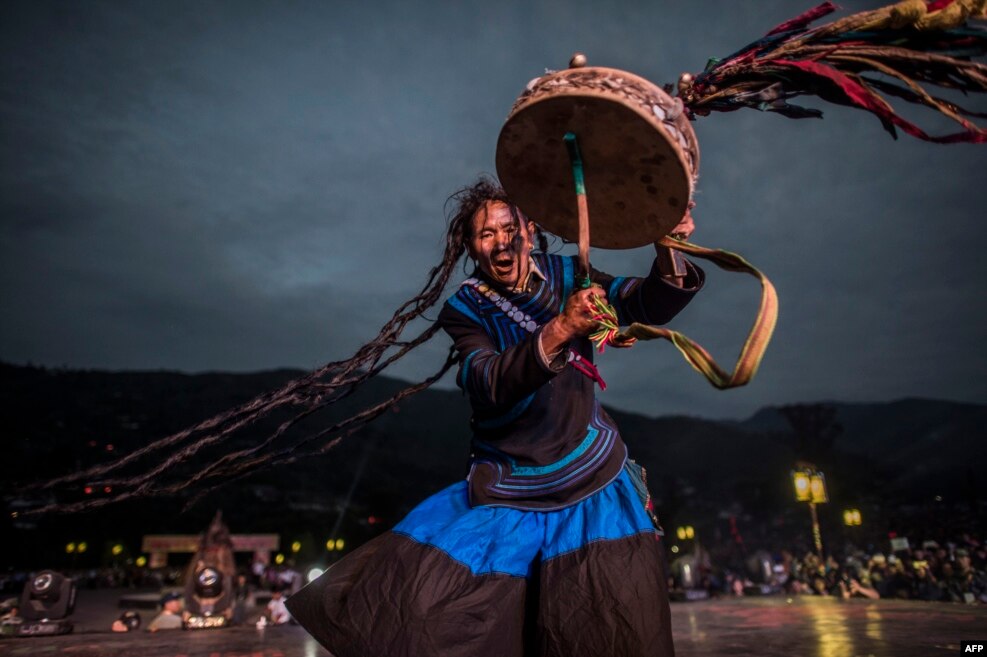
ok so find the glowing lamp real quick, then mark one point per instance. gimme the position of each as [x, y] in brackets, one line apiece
[802, 486]
[817, 486]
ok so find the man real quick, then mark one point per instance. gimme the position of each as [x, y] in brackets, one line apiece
[548, 547]
[170, 617]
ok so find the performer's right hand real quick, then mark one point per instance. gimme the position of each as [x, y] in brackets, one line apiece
[577, 318]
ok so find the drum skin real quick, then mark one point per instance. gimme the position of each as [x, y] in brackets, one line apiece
[640, 156]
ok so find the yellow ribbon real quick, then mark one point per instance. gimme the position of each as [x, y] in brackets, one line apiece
[757, 339]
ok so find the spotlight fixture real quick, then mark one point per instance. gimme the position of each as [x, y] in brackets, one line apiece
[46, 603]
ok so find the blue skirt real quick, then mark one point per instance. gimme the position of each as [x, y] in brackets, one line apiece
[451, 580]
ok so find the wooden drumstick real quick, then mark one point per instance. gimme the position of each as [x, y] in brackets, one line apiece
[582, 207]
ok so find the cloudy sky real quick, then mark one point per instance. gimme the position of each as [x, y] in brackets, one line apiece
[247, 185]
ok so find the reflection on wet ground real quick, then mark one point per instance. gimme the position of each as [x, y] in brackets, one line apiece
[824, 627]
[766, 627]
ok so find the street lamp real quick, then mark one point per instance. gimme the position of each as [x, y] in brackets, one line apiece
[810, 486]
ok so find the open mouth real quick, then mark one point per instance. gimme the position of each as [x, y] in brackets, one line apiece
[503, 264]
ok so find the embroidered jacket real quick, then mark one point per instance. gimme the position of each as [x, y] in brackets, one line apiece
[541, 440]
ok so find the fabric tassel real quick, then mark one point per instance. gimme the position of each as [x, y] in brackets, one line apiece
[912, 43]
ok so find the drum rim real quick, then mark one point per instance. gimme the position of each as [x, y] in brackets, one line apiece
[525, 102]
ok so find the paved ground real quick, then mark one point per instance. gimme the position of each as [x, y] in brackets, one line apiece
[765, 627]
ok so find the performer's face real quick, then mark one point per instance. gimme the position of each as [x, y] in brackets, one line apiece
[500, 245]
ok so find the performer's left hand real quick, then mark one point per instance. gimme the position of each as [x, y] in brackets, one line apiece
[684, 229]
[674, 272]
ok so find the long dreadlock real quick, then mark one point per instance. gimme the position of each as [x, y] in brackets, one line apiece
[304, 396]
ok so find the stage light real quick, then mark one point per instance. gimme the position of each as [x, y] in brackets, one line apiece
[208, 582]
[82, 547]
[45, 604]
[330, 545]
[208, 599]
[117, 550]
[675, 549]
[70, 548]
[296, 547]
[141, 561]
[313, 574]
[340, 544]
[279, 559]
[88, 490]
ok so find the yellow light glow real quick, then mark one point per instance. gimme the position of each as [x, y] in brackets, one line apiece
[817, 484]
[296, 546]
[340, 544]
[675, 549]
[82, 547]
[141, 561]
[680, 532]
[330, 545]
[690, 532]
[802, 493]
[117, 550]
[279, 559]
[70, 548]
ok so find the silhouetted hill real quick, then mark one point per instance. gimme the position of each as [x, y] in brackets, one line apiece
[59, 421]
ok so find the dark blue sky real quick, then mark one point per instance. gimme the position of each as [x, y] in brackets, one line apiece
[246, 185]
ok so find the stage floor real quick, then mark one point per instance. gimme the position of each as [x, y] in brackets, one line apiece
[765, 627]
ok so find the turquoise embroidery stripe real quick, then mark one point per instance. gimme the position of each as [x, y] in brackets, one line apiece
[464, 370]
[567, 280]
[613, 296]
[530, 471]
[508, 417]
[599, 456]
[458, 304]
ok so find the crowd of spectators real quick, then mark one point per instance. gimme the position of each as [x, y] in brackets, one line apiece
[951, 571]
[932, 572]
